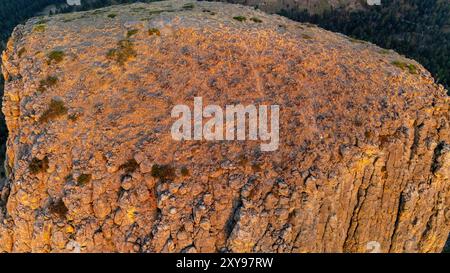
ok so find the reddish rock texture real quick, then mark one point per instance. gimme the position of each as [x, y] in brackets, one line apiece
[364, 150]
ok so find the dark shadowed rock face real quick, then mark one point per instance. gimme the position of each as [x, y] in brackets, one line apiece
[363, 162]
[447, 246]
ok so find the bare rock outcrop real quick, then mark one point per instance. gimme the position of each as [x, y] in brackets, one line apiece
[363, 161]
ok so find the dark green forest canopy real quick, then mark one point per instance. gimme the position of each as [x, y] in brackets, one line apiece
[419, 29]
[13, 12]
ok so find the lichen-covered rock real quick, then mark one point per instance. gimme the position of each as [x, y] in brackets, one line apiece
[312, 6]
[364, 151]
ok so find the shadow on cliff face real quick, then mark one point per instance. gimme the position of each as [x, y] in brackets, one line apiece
[3, 137]
[447, 246]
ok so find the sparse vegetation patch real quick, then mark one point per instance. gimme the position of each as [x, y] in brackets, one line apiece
[240, 18]
[184, 171]
[405, 66]
[123, 52]
[54, 110]
[55, 56]
[83, 179]
[48, 82]
[256, 167]
[137, 9]
[73, 117]
[132, 32]
[256, 20]
[154, 31]
[38, 165]
[155, 12]
[58, 208]
[130, 166]
[188, 6]
[209, 11]
[39, 28]
[163, 172]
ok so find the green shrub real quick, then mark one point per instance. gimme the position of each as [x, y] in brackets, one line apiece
[73, 117]
[38, 166]
[138, 9]
[130, 166]
[54, 110]
[188, 6]
[256, 167]
[132, 32]
[40, 28]
[56, 56]
[405, 66]
[412, 69]
[184, 171]
[83, 179]
[163, 172]
[69, 178]
[58, 208]
[240, 18]
[48, 82]
[98, 11]
[123, 52]
[154, 31]
[156, 12]
[112, 15]
[256, 20]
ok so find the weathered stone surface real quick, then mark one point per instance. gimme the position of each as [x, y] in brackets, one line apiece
[364, 153]
[312, 6]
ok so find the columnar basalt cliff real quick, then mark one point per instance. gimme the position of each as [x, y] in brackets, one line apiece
[364, 156]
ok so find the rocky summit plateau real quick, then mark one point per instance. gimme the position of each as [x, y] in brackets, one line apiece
[311, 6]
[363, 161]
